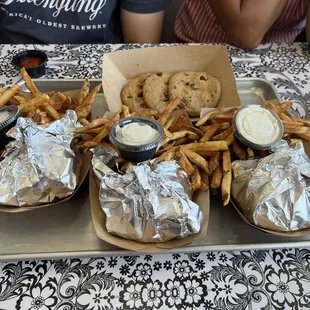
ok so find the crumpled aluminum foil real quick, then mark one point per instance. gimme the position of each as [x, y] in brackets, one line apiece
[274, 192]
[146, 205]
[39, 166]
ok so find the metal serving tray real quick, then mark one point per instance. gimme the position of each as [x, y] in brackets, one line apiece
[66, 230]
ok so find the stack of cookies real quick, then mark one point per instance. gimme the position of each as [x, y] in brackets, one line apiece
[197, 90]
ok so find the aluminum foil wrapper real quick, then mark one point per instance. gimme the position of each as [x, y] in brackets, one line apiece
[144, 204]
[39, 166]
[274, 192]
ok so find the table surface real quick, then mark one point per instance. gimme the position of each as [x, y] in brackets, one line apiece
[273, 279]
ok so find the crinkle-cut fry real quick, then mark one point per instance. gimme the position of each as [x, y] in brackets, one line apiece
[196, 159]
[8, 94]
[230, 139]
[185, 163]
[239, 151]
[169, 123]
[205, 118]
[168, 110]
[179, 124]
[217, 177]
[226, 187]
[207, 146]
[84, 122]
[84, 91]
[211, 132]
[223, 126]
[50, 110]
[250, 153]
[168, 155]
[196, 179]
[215, 161]
[93, 124]
[223, 135]
[126, 166]
[29, 83]
[125, 111]
[297, 130]
[226, 161]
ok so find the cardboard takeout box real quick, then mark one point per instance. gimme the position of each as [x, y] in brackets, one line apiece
[120, 66]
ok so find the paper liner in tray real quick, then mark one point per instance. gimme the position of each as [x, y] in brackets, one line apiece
[99, 220]
[297, 233]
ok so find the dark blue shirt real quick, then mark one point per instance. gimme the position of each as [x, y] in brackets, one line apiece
[68, 21]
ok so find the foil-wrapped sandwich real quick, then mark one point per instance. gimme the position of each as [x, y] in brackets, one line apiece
[39, 166]
[273, 192]
[144, 204]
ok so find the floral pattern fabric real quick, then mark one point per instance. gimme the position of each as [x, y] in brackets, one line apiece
[274, 279]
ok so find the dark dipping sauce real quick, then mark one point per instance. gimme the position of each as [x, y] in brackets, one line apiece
[31, 62]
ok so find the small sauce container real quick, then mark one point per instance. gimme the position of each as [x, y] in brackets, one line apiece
[33, 61]
[133, 147]
[257, 127]
[8, 119]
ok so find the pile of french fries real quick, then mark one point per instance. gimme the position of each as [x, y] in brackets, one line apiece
[205, 151]
[42, 108]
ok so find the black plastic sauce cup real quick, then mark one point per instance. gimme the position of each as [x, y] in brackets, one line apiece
[34, 72]
[137, 153]
[7, 124]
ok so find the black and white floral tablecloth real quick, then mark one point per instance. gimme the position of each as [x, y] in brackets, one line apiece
[275, 279]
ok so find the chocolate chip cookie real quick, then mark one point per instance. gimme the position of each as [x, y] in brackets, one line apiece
[196, 89]
[155, 91]
[132, 93]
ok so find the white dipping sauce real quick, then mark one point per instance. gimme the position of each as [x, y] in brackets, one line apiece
[4, 116]
[258, 125]
[136, 134]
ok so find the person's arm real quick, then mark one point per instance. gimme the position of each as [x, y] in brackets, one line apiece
[246, 21]
[142, 28]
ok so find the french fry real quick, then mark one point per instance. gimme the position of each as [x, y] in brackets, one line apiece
[239, 151]
[126, 166]
[196, 179]
[29, 83]
[226, 188]
[250, 153]
[226, 161]
[185, 163]
[304, 136]
[196, 159]
[293, 142]
[168, 110]
[292, 124]
[2, 90]
[179, 124]
[84, 121]
[20, 99]
[285, 117]
[146, 113]
[8, 94]
[297, 130]
[125, 111]
[50, 110]
[205, 118]
[206, 153]
[168, 155]
[207, 146]
[217, 177]
[88, 144]
[279, 109]
[230, 139]
[166, 148]
[168, 134]
[306, 122]
[223, 126]
[103, 133]
[177, 135]
[84, 92]
[204, 185]
[169, 123]
[223, 118]
[215, 161]
[223, 135]
[93, 124]
[88, 101]
[193, 129]
[211, 132]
